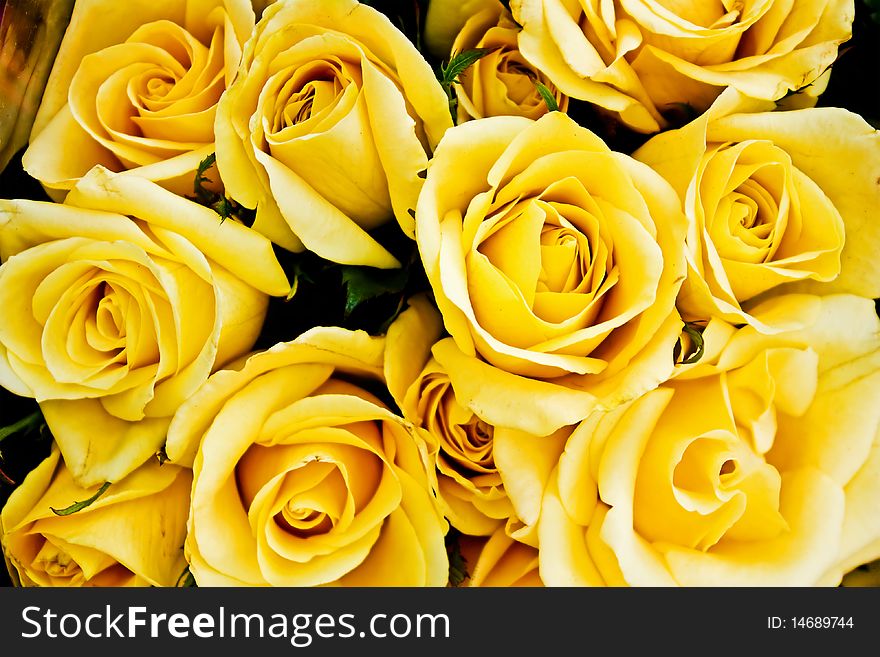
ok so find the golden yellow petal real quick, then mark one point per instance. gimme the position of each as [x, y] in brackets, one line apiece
[408, 345]
[123, 446]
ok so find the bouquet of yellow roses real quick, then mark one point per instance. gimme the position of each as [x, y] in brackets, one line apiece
[438, 293]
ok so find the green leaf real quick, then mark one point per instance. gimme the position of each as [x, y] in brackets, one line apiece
[365, 283]
[186, 579]
[79, 506]
[202, 169]
[458, 571]
[294, 287]
[547, 95]
[25, 424]
[223, 206]
[201, 193]
[459, 63]
[693, 351]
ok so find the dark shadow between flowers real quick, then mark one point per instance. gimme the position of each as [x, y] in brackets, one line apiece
[329, 294]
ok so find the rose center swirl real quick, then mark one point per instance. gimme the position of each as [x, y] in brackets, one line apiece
[55, 562]
[719, 490]
[747, 198]
[306, 96]
[465, 440]
[555, 254]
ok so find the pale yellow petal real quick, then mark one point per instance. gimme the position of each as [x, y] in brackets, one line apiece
[93, 26]
[21, 501]
[63, 134]
[564, 557]
[224, 242]
[123, 445]
[408, 345]
[525, 463]
[505, 399]
[319, 224]
[846, 167]
[812, 505]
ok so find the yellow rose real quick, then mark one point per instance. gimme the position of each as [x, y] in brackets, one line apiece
[499, 561]
[639, 58]
[501, 83]
[472, 463]
[555, 263]
[327, 127]
[302, 477]
[114, 320]
[771, 199]
[757, 467]
[444, 21]
[131, 535]
[135, 87]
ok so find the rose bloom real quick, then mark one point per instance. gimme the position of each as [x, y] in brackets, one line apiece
[135, 87]
[472, 463]
[444, 21]
[499, 561]
[118, 309]
[130, 536]
[302, 477]
[757, 466]
[770, 200]
[555, 264]
[501, 83]
[327, 127]
[641, 58]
